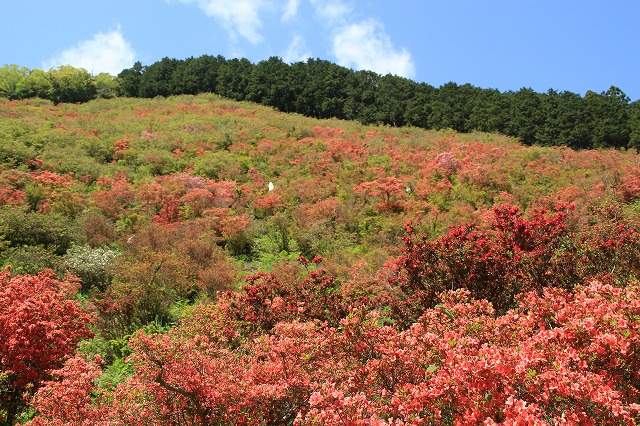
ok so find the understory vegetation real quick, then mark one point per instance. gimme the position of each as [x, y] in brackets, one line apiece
[197, 260]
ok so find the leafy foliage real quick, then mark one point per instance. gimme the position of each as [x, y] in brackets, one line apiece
[393, 275]
[29, 228]
[41, 328]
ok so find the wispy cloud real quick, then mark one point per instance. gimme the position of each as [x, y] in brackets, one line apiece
[290, 9]
[359, 44]
[333, 12]
[239, 17]
[297, 50]
[365, 45]
[106, 52]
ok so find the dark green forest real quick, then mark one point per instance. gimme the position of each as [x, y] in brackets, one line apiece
[321, 89]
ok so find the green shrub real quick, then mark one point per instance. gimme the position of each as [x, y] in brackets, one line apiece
[29, 259]
[52, 231]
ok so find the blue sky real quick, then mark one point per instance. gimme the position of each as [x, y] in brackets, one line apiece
[574, 45]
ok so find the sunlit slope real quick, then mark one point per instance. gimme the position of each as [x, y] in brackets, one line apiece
[341, 190]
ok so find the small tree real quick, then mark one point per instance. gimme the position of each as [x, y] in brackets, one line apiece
[11, 78]
[69, 84]
[107, 86]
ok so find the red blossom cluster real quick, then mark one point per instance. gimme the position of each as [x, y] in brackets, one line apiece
[40, 328]
[561, 357]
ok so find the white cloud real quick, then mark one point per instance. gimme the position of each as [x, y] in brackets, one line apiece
[296, 51]
[237, 16]
[365, 45]
[358, 45]
[361, 45]
[106, 52]
[290, 9]
[332, 12]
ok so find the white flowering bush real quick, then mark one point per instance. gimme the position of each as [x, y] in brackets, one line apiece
[94, 266]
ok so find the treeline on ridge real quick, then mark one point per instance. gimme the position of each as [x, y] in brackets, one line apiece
[321, 89]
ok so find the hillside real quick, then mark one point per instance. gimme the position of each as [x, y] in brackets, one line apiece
[310, 262]
[321, 89]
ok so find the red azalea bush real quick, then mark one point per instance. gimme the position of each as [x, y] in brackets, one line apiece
[515, 255]
[561, 357]
[267, 300]
[40, 328]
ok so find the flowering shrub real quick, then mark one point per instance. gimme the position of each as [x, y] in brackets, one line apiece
[515, 255]
[40, 328]
[68, 400]
[561, 357]
[266, 300]
[558, 358]
[94, 266]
